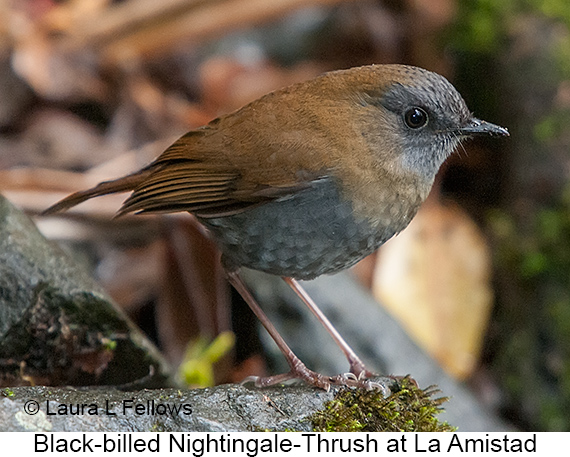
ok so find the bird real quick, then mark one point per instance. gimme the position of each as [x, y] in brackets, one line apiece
[308, 180]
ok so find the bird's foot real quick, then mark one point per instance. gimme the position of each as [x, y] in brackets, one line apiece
[318, 380]
[359, 370]
[361, 381]
[310, 377]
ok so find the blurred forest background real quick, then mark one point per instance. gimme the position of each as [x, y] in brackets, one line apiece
[94, 89]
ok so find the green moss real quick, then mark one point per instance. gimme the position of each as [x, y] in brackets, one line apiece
[8, 392]
[410, 409]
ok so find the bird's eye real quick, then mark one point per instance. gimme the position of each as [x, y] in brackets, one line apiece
[415, 117]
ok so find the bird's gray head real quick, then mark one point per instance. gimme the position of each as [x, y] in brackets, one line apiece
[430, 118]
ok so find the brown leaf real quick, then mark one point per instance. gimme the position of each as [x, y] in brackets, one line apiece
[435, 278]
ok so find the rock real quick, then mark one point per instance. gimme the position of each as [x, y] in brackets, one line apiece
[397, 406]
[56, 325]
[224, 408]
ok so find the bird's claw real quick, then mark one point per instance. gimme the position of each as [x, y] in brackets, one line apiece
[318, 380]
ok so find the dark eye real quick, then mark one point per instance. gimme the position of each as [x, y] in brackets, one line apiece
[415, 118]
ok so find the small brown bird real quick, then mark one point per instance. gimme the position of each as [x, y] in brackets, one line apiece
[308, 179]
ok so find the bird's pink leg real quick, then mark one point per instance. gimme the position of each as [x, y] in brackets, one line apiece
[298, 369]
[357, 367]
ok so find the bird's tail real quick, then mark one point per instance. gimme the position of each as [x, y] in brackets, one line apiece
[124, 184]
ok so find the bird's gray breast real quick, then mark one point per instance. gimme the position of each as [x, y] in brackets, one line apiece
[303, 236]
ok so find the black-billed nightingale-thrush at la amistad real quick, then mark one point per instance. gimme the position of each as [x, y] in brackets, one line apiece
[308, 179]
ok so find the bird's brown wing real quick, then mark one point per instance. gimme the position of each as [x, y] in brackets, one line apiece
[207, 191]
[203, 189]
[193, 175]
[201, 182]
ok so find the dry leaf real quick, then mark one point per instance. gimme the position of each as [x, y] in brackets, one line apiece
[435, 278]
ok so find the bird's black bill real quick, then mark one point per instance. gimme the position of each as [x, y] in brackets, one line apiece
[479, 127]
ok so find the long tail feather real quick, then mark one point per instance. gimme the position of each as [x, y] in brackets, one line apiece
[124, 184]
